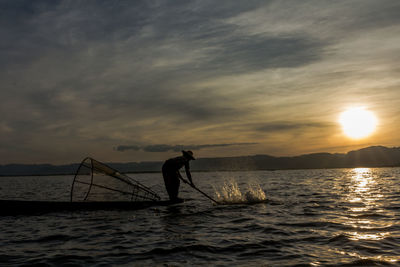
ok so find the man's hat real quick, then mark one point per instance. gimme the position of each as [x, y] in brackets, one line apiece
[188, 154]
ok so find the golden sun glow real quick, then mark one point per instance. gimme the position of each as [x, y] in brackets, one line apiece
[358, 122]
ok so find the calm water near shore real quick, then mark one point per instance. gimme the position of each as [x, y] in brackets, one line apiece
[312, 218]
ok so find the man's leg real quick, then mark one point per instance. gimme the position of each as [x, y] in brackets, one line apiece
[172, 185]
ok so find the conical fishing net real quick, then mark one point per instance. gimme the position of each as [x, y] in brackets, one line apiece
[95, 181]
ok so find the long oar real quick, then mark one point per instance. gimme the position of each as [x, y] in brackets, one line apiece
[194, 187]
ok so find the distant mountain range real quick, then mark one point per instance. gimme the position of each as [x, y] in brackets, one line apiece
[374, 156]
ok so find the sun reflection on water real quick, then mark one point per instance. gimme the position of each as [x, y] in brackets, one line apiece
[361, 185]
[362, 180]
[364, 203]
[368, 236]
[364, 207]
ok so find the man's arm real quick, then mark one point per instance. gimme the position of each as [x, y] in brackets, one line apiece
[188, 174]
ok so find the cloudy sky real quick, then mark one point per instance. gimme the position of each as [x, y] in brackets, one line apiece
[141, 80]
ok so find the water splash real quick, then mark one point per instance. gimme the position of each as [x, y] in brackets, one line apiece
[230, 193]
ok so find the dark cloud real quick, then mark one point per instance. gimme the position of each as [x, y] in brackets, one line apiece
[373, 15]
[176, 148]
[103, 53]
[252, 53]
[46, 26]
[123, 148]
[290, 126]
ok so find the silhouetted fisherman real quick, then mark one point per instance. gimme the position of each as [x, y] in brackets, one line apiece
[172, 176]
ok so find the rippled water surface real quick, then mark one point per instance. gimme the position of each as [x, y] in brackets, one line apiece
[312, 218]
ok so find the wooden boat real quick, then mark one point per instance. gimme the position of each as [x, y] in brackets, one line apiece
[25, 207]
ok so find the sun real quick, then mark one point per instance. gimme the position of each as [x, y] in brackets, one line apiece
[358, 122]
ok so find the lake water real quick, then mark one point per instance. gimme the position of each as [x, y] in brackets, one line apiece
[312, 218]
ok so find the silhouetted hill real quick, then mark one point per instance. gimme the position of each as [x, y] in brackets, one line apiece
[374, 156]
